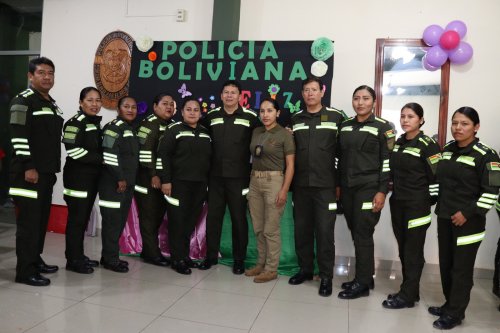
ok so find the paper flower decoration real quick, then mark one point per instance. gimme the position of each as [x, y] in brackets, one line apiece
[212, 97]
[212, 106]
[142, 107]
[152, 56]
[200, 99]
[144, 43]
[273, 90]
[322, 49]
[204, 105]
[319, 68]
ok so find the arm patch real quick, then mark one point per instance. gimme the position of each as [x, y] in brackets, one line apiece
[142, 137]
[18, 114]
[493, 173]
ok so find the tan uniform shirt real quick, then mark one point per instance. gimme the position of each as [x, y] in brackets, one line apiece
[276, 144]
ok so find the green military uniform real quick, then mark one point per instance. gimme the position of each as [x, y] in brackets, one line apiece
[314, 182]
[82, 171]
[364, 171]
[413, 164]
[229, 176]
[121, 157]
[150, 202]
[468, 181]
[496, 275]
[36, 125]
[184, 155]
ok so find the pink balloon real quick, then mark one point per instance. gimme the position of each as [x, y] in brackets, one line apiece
[449, 40]
[461, 54]
[426, 65]
[437, 56]
[432, 34]
[457, 26]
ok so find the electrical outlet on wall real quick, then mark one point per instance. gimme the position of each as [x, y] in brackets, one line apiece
[181, 15]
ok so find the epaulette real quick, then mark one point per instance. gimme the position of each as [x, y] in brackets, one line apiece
[381, 120]
[203, 127]
[25, 93]
[448, 143]
[484, 146]
[152, 117]
[348, 119]
[337, 110]
[216, 109]
[296, 113]
[250, 111]
[426, 140]
[172, 125]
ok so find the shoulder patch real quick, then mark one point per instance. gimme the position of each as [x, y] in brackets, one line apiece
[18, 114]
[348, 119]
[213, 110]
[390, 134]
[380, 119]
[296, 113]
[250, 111]
[484, 146]
[448, 143]
[172, 125]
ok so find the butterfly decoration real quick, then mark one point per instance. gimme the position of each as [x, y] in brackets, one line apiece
[184, 92]
[294, 108]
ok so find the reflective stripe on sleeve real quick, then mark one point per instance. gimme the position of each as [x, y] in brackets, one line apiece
[470, 239]
[332, 206]
[22, 152]
[23, 193]
[245, 191]
[172, 201]
[385, 166]
[420, 221]
[76, 194]
[109, 204]
[141, 189]
[14, 140]
[76, 153]
[434, 189]
[497, 206]
[159, 165]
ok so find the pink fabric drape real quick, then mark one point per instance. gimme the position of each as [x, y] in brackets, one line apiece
[131, 240]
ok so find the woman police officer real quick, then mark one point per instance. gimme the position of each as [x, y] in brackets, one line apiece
[468, 176]
[273, 151]
[365, 143]
[116, 189]
[150, 202]
[413, 165]
[184, 154]
[82, 139]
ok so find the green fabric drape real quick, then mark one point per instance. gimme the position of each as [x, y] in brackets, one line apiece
[288, 260]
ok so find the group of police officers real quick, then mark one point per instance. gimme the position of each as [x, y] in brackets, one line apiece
[340, 163]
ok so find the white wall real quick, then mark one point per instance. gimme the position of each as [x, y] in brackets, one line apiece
[354, 26]
[73, 29]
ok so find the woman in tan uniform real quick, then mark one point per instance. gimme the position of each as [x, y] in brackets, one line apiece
[273, 153]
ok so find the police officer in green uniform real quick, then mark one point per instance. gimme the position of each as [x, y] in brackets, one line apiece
[496, 275]
[150, 202]
[184, 154]
[116, 189]
[36, 125]
[83, 141]
[413, 164]
[314, 183]
[231, 128]
[364, 148]
[468, 176]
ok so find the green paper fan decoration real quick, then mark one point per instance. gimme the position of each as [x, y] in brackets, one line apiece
[322, 49]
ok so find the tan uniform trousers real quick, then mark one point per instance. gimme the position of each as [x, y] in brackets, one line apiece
[266, 216]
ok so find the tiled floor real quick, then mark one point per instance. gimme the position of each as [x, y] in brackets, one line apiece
[154, 299]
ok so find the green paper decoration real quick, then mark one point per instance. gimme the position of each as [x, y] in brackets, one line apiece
[322, 49]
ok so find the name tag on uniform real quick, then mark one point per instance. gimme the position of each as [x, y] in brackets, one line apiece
[243, 122]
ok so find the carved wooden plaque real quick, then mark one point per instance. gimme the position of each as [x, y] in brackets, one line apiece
[112, 67]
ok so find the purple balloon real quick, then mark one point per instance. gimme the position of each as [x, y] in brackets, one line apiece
[426, 65]
[436, 56]
[432, 34]
[457, 26]
[461, 54]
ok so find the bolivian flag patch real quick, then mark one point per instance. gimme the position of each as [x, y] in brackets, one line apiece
[495, 166]
[390, 134]
[435, 158]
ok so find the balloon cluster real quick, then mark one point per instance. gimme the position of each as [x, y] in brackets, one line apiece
[446, 44]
